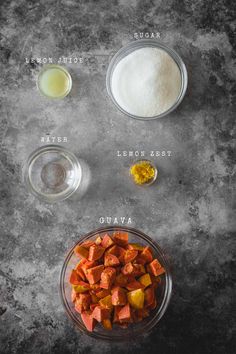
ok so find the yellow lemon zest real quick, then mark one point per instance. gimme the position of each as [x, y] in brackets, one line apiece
[142, 172]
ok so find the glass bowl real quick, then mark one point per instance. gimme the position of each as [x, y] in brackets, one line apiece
[42, 79]
[117, 333]
[129, 48]
[146, 184]
[52, 173]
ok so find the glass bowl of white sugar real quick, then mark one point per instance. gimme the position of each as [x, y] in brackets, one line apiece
[146, 79]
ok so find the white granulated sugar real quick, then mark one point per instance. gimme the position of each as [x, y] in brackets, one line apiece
[146, 82]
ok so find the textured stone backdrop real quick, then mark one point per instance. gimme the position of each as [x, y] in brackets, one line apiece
[189, 211]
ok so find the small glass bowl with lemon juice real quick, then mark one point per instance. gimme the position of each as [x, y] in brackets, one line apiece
[54, 81]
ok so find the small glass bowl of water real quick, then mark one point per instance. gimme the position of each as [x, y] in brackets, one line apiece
[53, 173]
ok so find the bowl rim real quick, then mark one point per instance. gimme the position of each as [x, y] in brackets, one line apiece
[154, 178]
[52, 66]
[138, 44]
[166, 297]
[42, 150]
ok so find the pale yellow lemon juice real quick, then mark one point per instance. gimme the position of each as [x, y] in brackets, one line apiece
[54, 81]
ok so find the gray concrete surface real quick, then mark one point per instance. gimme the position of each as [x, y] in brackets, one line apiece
[189, 211]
